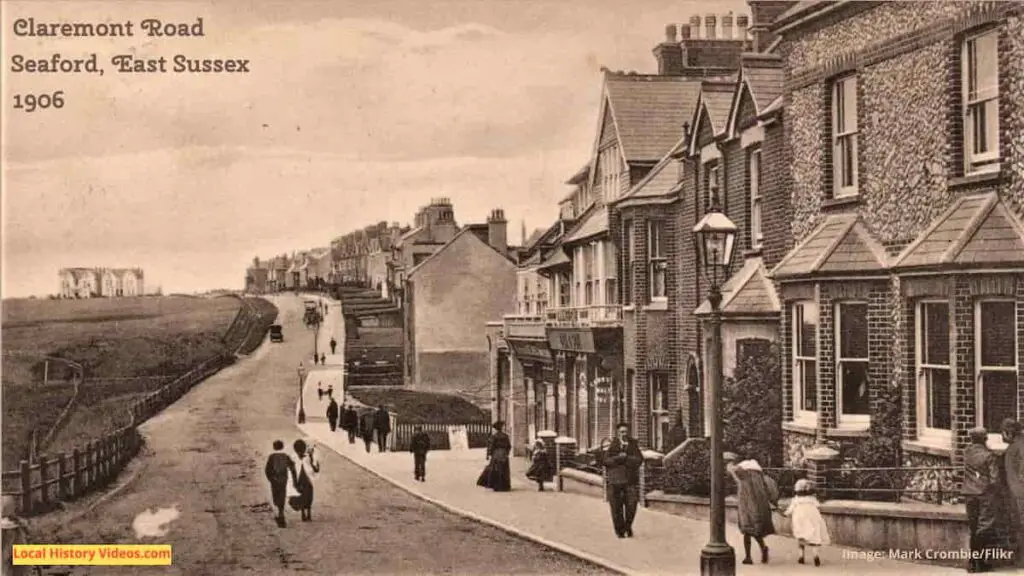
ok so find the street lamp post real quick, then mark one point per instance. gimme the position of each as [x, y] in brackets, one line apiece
[716, 234]
[302, 404]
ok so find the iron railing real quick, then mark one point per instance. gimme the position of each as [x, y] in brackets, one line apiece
[585, 316]
[935, 484]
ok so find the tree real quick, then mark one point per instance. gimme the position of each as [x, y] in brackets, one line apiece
[752, 403]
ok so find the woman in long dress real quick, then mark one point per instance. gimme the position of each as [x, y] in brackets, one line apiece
[497, 475]
[308, 468]
[755, 506]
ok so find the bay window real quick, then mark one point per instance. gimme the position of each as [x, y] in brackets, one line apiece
[934, 371]
[844, 137]
[659, 414]
[656, 260]
[853, 401]
[805, 361]
[995, 339]
[980, 70]
[564, 296]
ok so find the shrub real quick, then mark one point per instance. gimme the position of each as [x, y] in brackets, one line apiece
[752, 407]
[880, 450]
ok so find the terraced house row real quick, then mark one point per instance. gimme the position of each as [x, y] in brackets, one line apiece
[871, 155]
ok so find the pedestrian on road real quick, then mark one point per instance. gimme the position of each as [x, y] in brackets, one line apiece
[540, 468]
[382, 424]
[334, 344]
[1013, 463]
[308, 469]
[351, 421]
[981, 495]
[280, 471]
[757, 495]
[496, 474]
[330, 391]
[323, 359]
[319, 391]
[332, 413]
[14, 533]
[622, 460]
[809, 527]
[366, 429]
[419, 447]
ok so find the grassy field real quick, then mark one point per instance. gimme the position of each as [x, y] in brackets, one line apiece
[127, 347]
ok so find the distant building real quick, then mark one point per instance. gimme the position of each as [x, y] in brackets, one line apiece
[101, 282]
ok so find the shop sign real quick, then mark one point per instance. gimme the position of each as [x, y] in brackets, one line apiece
[571, 340]
[535, 351]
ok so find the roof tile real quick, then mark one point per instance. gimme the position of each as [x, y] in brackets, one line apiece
[649, 111]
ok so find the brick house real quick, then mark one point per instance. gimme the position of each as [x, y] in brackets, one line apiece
[905, 286]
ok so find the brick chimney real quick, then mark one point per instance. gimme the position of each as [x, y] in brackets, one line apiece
[497, 230]
[742, 22]
[727, 26]
[763, 13]
[710, 26]
[669, 53]
[684, 32]
[256, 262]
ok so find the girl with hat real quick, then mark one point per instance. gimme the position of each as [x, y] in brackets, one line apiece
[809, 527]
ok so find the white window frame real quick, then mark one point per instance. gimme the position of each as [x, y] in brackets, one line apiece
[799, 364]
[844, 133]
[926, 434]
[628, 293]
[994, 440]
[589, 296]
[754, 169]
[983, 97]
[656, 264]
[847, 421]
[713, 185]
[658, 413]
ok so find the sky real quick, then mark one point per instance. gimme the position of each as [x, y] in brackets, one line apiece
[352, 113]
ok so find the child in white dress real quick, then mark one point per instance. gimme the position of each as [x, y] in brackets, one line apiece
[809, 527]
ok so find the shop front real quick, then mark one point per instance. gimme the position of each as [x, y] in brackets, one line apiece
[588, 364]
[537, 371]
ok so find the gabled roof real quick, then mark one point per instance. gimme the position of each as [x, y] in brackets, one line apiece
[659, 182]
[979, 230]
[761, 79]
[581, 175]
[534, 238]
[558, 257]
[648, 112]
[713, 104]
[470, 230]
[593, 223]
[841, 245]
[748, 292]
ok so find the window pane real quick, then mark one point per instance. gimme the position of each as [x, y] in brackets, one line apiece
[979, 122]
[850, 104]
[853, 330]
[999, 399]
[998, 334]
[855, 388]
[809, 379]
[839, 123]
[986, 53]
[755, 221]
[807, 325]
[939, 399]
[935, 331]
[849, 157]
[991, 125]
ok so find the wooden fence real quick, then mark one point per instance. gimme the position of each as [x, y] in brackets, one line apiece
[402, 433]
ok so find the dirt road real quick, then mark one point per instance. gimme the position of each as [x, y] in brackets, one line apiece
[205, 457]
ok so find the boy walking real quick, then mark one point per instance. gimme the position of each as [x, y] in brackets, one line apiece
[420, 445]
[280, 469]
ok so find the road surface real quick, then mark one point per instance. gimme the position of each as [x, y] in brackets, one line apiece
[205, 457]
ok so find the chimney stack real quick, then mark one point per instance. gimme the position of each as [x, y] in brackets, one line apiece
[742, 22]
[670, 34]
[684, 32]
[497, 231]
[727, 26]
[669, 54]
[710, 25]
[695, 26]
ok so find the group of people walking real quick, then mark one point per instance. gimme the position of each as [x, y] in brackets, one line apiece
[373, 425]
[994, 494]
[292, 484]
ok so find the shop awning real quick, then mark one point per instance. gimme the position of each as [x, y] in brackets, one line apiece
[840, 246]
[978, 230]
[747, 293]
[531, 350]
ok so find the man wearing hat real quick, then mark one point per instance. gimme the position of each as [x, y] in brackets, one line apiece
[981, 492]
[1013, 464]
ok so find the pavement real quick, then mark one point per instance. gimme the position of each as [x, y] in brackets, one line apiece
[580, 525]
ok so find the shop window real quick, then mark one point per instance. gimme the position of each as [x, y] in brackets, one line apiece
[805, 361]
[853, 401]
[934, 373]
[995, 339]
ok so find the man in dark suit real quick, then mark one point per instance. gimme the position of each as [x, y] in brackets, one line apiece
[419, 447]
[382, 425]
[622, 461]
[332, 413]
[981, 495]
[351, 419]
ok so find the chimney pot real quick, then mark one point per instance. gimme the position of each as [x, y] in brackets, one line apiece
[727, 26]
[670, 34]
[684, 32]
[695, 26]
[710, 25]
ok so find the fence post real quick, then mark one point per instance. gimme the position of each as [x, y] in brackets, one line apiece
[44, 473]
[26, 487]
[820, 462]
[90, 471]
[76, 463]
[62, 475]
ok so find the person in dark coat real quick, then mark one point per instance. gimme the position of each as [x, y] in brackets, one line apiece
[334, 345]
[756, 494]
[280, 470]
[981, 496]
[419, 447]
[332, 414]
[366, 429]
[351, 420]
[540, 468]
[382, 425]
[1013, 464]
[323, 359]
[622, 460]
[319, 387]
[496, 474]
